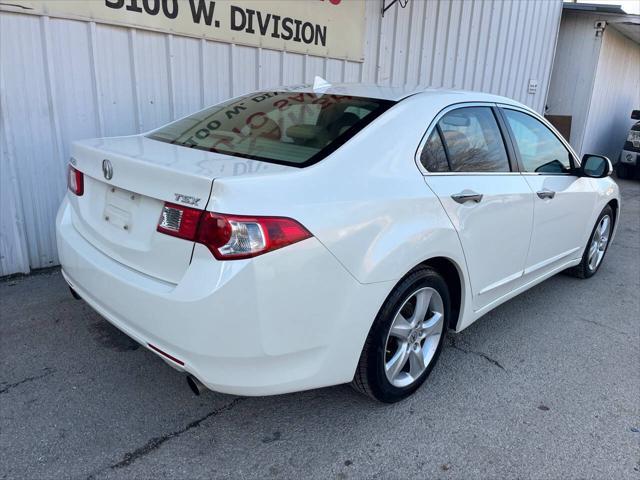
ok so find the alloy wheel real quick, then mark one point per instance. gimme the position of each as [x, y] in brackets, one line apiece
[413, 337]
[599, 242]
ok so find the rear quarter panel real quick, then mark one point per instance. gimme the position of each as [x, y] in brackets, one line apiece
[367, 202]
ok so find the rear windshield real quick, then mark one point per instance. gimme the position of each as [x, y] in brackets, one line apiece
[289, 128]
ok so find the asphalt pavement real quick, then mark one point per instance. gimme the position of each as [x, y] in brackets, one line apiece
[546, 386]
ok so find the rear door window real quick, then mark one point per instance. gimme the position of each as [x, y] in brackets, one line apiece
[433, 156]
[473, 141]
[290, 128]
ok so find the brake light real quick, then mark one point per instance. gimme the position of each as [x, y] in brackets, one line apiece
[230, 237]
[75, 181]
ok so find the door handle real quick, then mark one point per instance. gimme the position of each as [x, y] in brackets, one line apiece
[546, 193]
[467, 196]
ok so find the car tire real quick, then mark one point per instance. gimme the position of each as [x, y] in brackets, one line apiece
[586, 268]
[376, 374]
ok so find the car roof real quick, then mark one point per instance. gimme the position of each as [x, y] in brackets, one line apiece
[397, 93]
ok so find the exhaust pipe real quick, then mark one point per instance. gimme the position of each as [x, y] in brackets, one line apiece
[195, 385]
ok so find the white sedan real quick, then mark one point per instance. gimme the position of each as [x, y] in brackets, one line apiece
[300, 238]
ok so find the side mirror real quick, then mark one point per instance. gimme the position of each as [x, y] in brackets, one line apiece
[635, 115]
[595, 166]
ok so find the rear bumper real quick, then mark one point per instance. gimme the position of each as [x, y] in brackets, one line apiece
[290, 320]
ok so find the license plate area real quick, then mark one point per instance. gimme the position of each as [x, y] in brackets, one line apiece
[140, 247]
[120, 207]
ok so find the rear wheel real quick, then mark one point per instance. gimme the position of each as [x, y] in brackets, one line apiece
[406, 338]
[597, 246]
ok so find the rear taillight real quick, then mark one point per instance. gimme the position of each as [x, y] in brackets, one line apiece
[233, 237]
[75, 181]
[179, 221]
[230, 237]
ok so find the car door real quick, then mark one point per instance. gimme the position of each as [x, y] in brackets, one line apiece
[563, 200]
[470, 168]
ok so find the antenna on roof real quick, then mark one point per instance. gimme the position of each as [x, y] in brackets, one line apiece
[321, 84]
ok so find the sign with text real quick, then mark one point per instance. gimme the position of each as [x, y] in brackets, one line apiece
[327, 28]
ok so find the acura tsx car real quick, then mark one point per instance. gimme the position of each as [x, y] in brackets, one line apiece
[311, 236]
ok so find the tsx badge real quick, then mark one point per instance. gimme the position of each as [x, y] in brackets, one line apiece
[189, 200]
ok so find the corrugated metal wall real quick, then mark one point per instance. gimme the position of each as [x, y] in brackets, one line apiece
[616, 91]
[596, 81]
[62, 80]
[574, 71]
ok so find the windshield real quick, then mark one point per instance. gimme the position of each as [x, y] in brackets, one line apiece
[289, 128]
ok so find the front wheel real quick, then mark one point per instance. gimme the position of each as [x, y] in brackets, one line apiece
[405, 339]
[597, 246]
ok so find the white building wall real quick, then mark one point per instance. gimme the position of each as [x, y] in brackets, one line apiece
[62, 80]
[574, 71]
[616, 91]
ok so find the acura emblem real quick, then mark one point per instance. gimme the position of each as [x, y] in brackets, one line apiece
[107, 169]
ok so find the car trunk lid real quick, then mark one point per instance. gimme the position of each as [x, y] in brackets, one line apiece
[127, 181]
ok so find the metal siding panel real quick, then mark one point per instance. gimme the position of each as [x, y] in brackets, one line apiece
[386, 47]
[271, 68]
[496, 47]
[334, 70]
[516, 90]
[574, 72]
[70, 52]
[462, 52]
[216, 72]
[515, 20]
[452, 37]
[186, 74]
[546, 54]
[54, 116]
[352, 72]
[313, 66]
[14, 256]
[473, 45]
[95, 79]
[40, 179]
[135, 79]
[517, 54]
[489, 22]
[371, 41]
[259, 59]
[440, 44]
[550, 25]
[401, 36]
[293, 68]
[534, 44]
[427, 59]
[415, 41]
[113, 65]
[616, 91]
[155, 100]
[245, 78]
[501, 58]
